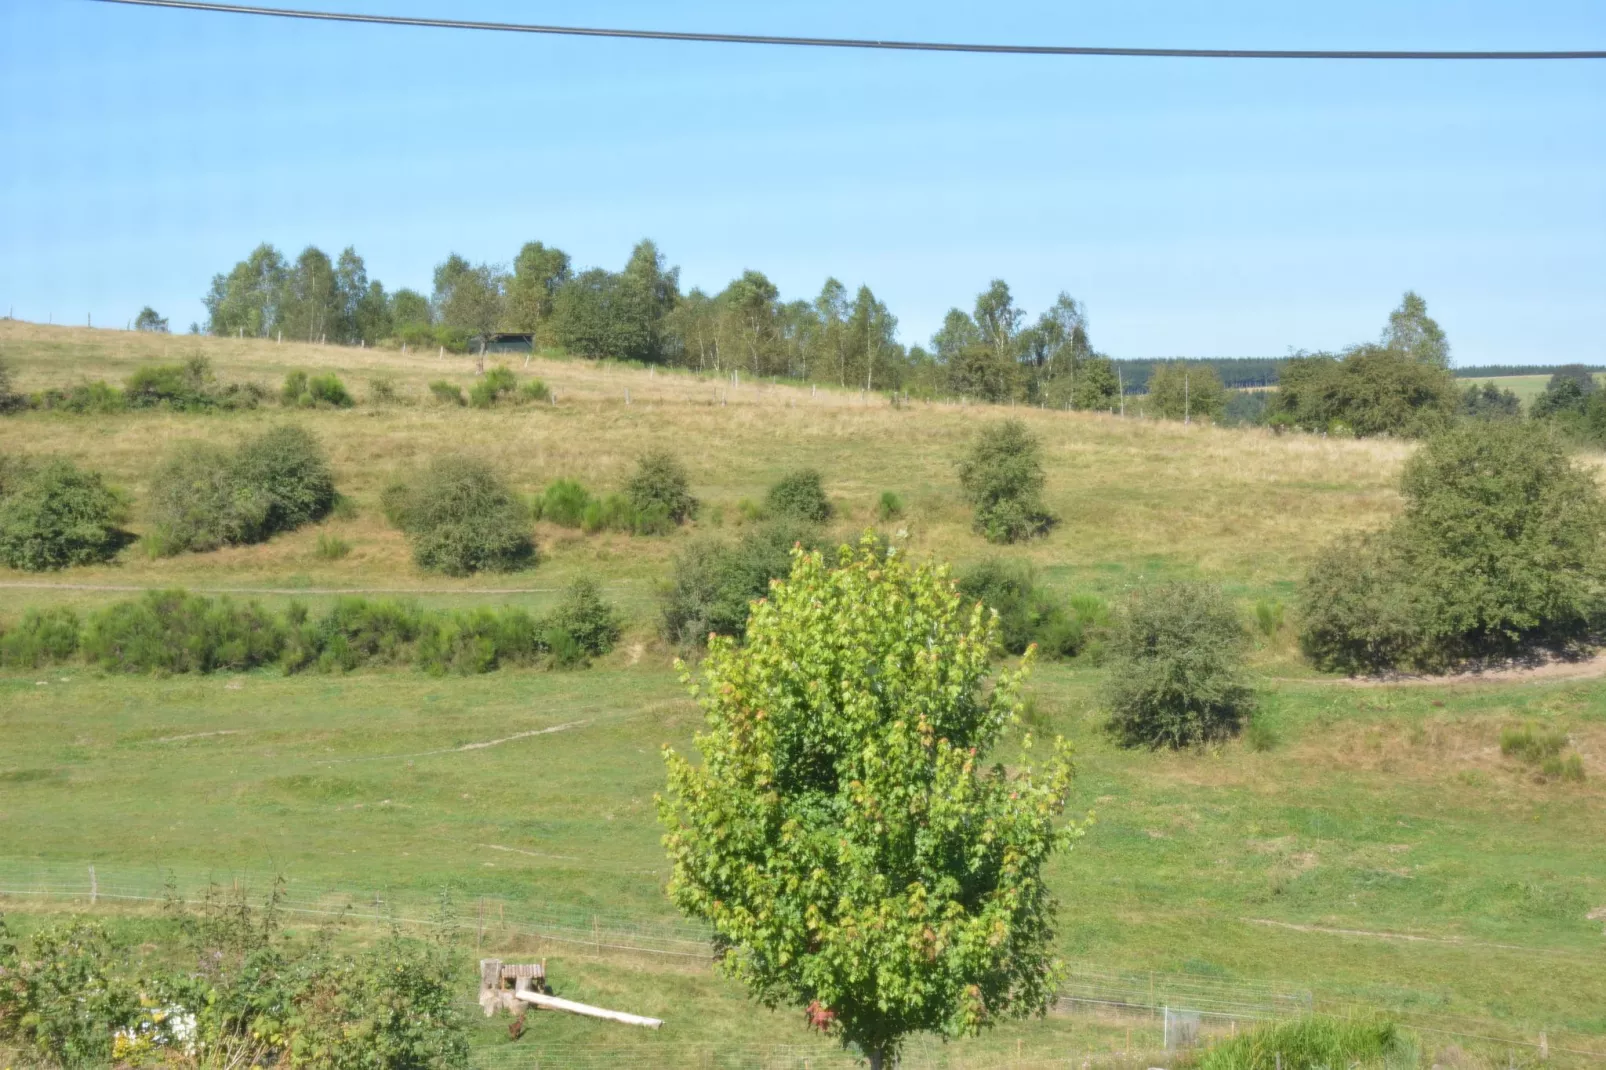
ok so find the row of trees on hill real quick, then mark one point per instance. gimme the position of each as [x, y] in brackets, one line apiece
[640, 313]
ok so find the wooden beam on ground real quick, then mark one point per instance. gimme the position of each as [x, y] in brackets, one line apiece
[554, 1003]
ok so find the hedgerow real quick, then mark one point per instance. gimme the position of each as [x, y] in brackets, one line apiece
[171, 632]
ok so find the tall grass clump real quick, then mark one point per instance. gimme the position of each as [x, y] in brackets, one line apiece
[493, 386]
[1542, 748]
[204, 497]
[42, 637]
[1176, 668]
[1497, 554]
[54, 515]
[1027, 614]
[447, 393]
[1313, 1043]
[890, 506]
[1002, 478]
[660, 486]
[318, 391]
[461, 517]
[801, 496]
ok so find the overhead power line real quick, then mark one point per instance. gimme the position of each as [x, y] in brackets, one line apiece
[851, 42]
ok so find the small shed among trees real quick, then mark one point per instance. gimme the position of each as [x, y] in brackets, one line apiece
[503, 342]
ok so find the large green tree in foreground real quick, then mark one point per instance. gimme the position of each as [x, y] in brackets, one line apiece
[845, 836]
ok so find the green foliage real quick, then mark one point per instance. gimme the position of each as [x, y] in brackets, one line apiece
[585, 618]
[801, 496]
[470, 641]
[97, 398]
[1498, 552]
[168, 632]
[203, 497]
[43, 637]
[1371, 390]
[534, 390]
[493, 386]
[317, 391]
[447, 393]
[1269, 617]
[332, 547]
[1246, 408]
[59, 998]
[462, 518]
[1186, 391]
[1175, 677]
[10, 400]
[1259, 736]
[1026, 614]
[714, 583]
[354, 632]
[564, 503]
[889, 507]
[845, 836]
[660, 484]
[1489, 402]
[1313, 1043]
[294, 389]
[187, 387]
[1002, 477]
[53, 515]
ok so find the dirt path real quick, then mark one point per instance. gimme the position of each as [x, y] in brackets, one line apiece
[1591, 668]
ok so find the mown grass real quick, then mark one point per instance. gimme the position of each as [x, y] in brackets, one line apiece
[1376, 848]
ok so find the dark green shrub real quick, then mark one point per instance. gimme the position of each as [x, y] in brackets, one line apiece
[613, 513]
[329, 392]
[203, 497]
[187, 387]
[714, 583]
[447, 393]
[1002, 477]
[57, 516]
[890, 507]
[462, 518]
[1175, 678]
[1490, 402]
[801, 496]
[288, 468]
[354, 632]
[43, 637]
[564, 503]
[1370, 390]
[535, 390]
[589, 621]
[494, 385]
[1497, 553]
[660, 480]
[1269, 617]
[1026, 615]
[173, 632]
[478, 641]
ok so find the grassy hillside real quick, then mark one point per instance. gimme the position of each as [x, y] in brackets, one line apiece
[1381, 853]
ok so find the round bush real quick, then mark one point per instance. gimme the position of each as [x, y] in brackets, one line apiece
[55, 516]
[203, 497]
[801, 496]
[660, 482]
[1498, 553]
[715, 583]
[1002, 477]
[462, 518]
[1175, 677]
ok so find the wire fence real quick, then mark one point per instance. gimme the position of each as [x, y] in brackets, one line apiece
[494, 921]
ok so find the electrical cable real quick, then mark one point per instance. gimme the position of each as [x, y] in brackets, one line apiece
[861, 43]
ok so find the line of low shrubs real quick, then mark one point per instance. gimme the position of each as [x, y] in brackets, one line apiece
[55, 515]
[203, 496]
[187, 387]
[301, 391]
[171, 632]
[567, 503]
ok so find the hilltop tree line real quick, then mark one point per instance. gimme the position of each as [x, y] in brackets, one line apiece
[848, 337]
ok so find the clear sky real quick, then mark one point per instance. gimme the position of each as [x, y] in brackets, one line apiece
[1197, 207]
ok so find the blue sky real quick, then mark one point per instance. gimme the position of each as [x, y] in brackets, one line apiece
[1196, 207]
